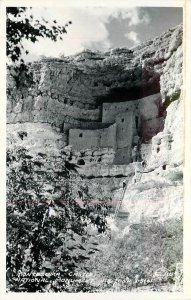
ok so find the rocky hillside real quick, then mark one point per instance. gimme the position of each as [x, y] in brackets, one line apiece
[62, 99]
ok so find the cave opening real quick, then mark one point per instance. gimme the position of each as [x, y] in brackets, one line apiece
[143, 87]
[136, 122]
[81, 162]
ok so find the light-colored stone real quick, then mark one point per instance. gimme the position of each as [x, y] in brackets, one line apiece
[111, 98]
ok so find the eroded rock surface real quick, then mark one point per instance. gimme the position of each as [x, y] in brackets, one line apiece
[96, 107]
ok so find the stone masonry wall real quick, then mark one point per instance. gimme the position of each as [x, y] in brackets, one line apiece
[88, 83]
[83, 82]
[87, 139]
[72, 94]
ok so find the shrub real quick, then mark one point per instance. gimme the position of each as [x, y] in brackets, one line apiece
[49, 233]
[146, 256]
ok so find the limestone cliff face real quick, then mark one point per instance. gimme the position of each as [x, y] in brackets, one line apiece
[158, 193]
[73, 89]
[97, 106]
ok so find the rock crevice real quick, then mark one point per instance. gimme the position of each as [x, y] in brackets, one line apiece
[108, 111]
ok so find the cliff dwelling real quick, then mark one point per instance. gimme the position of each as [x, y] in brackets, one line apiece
[123, 126]
[95, 156]
[102, 110]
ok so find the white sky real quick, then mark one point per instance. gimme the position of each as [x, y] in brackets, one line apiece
[100, 28]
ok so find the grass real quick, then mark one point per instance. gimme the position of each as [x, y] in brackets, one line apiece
[146, 257]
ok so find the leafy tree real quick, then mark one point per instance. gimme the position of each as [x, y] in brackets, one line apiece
[48, 231]
[22, 25]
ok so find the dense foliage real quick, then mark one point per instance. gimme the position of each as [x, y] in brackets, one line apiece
[55, 234]
[51, 232]
[50, 235]
[143, 258]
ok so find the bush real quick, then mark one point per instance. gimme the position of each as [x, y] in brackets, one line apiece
[49, 233]
[145, 257]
